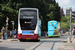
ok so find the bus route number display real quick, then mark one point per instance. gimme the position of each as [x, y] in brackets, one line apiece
[28, 17]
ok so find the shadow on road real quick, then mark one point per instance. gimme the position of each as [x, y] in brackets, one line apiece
[29, 41]
[44, 41]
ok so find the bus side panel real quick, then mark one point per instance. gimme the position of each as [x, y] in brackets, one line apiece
[39, 24]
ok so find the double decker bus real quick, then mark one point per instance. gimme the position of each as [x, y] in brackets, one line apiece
[53, 29]
[28, 24]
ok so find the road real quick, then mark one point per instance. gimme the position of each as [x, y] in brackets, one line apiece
[44, 44]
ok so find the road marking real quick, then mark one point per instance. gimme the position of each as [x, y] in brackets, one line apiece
[38, 45]
[53, 46]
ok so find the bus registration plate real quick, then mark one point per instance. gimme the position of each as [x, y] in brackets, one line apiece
[27, 38]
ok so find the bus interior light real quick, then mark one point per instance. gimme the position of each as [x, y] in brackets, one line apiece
[25, 22]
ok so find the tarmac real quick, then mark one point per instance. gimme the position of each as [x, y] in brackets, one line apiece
[57, 45]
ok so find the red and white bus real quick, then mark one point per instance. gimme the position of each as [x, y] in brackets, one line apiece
[28, 24]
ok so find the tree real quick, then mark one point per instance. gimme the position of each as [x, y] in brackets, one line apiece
[48, 10]
[65, 22]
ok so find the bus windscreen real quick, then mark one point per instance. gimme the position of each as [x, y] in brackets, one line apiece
[28, 19]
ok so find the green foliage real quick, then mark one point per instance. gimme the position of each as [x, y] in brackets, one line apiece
[10, 13]
[48, 10]
[65, 22]
[0, 34]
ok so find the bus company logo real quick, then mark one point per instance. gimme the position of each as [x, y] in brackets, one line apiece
[27, 22]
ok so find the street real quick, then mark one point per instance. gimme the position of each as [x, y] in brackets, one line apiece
[37, 25]
[43, 44]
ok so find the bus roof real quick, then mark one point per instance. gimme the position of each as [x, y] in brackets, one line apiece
[52, 21]
[28, 8]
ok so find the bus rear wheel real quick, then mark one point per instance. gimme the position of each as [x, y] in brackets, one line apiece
[37, 40]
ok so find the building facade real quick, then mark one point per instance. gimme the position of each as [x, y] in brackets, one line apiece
[62, 12]
[68, 11]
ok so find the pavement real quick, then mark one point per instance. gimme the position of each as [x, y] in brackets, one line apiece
[8, 40]
[64, 46]
[70, 44]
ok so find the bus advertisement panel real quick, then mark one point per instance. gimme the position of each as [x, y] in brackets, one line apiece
[53, 28]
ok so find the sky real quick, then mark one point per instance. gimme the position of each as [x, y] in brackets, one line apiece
[66, 4]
